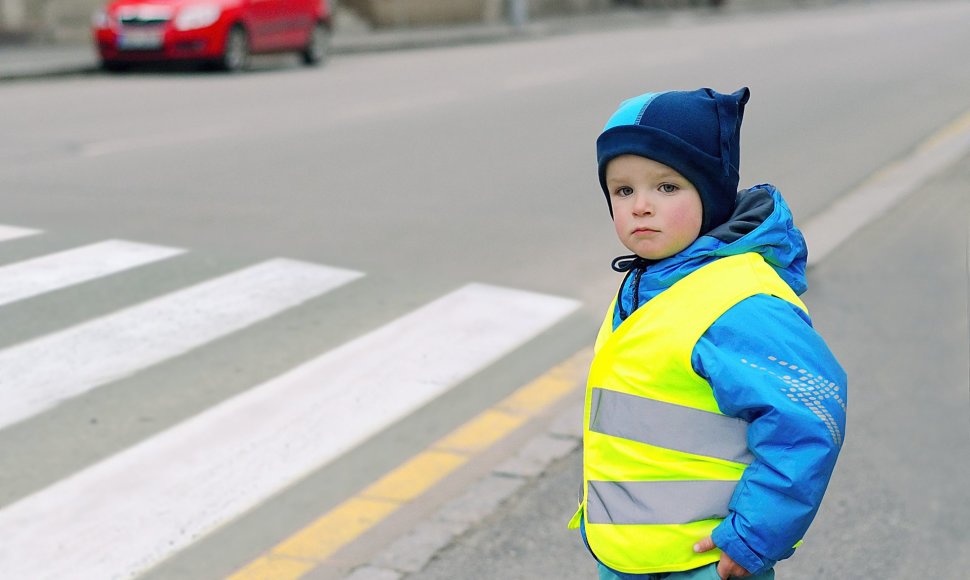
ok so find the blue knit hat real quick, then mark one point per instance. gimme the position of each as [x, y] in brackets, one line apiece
[697, 133]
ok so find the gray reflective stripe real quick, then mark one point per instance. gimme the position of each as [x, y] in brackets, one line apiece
[657, 502]
[669, 426]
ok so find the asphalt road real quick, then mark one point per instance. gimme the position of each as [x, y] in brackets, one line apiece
[428, 170]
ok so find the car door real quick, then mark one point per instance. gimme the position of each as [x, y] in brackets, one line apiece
[297, 22]
[266, 24]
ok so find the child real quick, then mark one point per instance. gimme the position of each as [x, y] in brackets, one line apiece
[714, 412]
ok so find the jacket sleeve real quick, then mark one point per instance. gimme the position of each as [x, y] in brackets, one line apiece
[768, 366]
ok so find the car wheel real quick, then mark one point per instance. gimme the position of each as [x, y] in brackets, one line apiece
[235, 55]
[318, 48]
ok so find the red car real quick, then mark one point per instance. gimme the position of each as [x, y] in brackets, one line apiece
[221, 32]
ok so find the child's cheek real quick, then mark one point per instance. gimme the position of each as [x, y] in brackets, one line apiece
[686, 219]
[680, 218]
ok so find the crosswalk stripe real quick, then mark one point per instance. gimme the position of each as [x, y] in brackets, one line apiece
[39, 374]
[297, 555]
[13, 232]
[157, 497]
[55, 271]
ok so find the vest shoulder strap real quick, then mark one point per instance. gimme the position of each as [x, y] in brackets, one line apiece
[688, 308]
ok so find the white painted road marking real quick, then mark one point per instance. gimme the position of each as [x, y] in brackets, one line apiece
[39, 374]
[878, 194]
[55, 271]
[12, 232]
[133, 510]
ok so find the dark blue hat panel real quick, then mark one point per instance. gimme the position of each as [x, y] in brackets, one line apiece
[687, 115]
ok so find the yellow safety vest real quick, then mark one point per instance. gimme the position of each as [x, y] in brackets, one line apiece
[660, 460]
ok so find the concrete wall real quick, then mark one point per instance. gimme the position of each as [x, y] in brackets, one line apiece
[70, 19]
[417, 13]
[48, 19]
[404, 13]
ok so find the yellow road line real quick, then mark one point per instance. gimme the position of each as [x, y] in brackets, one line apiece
[950, 131]
[309, 547]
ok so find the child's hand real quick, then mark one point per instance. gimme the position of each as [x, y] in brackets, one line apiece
[727, 567]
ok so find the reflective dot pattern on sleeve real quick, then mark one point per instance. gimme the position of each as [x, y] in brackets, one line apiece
[808, 389]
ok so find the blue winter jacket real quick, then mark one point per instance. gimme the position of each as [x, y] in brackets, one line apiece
[768, 366]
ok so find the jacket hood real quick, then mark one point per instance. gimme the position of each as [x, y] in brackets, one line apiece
[761, 223]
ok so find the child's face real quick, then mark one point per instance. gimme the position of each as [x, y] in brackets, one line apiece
[656, 211]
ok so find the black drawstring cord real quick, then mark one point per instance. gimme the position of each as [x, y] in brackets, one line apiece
[636, 286]
[626, 263]
[619, 298]
[632, 264]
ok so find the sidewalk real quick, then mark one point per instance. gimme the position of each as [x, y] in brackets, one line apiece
[38, 60]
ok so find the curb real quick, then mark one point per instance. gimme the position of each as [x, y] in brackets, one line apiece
[58, 72]
[434, 38]
[411, 552]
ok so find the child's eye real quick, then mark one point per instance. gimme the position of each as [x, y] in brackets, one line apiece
[624, 191]
[668, 188]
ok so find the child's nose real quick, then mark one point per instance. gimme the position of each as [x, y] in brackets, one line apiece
[642, 205]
